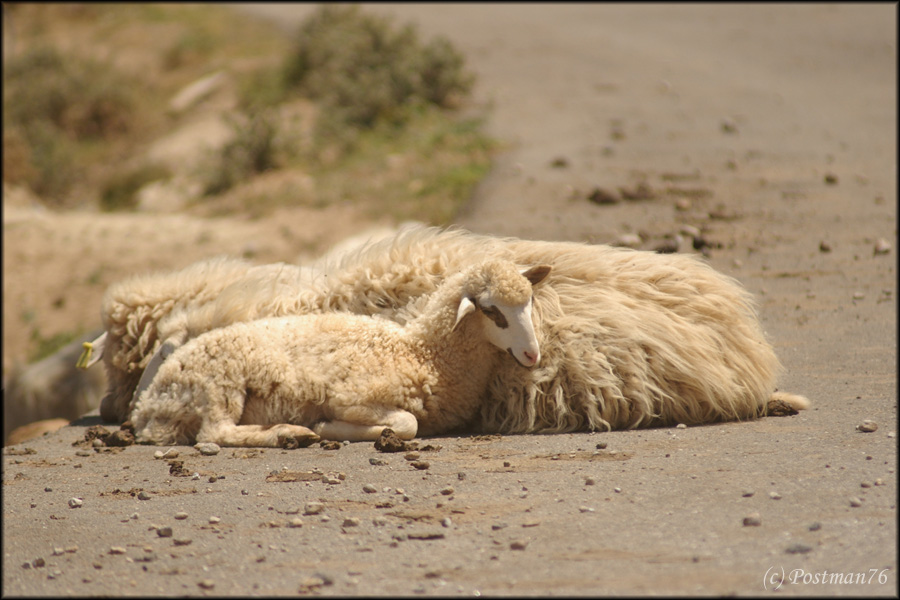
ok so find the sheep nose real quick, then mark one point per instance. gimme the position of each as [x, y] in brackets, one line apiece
[531, 359]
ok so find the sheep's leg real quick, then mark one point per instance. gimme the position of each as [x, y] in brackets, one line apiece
[402, 422]
[282, 435]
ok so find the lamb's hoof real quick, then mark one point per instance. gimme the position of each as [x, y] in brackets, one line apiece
[290, 442]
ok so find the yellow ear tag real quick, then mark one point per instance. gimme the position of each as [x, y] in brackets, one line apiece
[84, 359]
[88, 357]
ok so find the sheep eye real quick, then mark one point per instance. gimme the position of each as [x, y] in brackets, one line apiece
[494, 314]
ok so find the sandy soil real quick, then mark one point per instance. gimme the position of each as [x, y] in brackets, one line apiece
[771, 128]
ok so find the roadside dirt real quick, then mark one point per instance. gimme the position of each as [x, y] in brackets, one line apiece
[769, 128]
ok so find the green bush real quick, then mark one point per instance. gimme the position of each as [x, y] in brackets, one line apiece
[120, 190]
[56, 105]
[83, 99]
[362, 71]
[253, 150]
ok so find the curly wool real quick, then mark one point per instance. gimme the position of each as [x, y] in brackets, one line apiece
[629, 338]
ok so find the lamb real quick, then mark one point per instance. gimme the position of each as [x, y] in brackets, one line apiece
[268, 382]
[141, 313]
[631, 338]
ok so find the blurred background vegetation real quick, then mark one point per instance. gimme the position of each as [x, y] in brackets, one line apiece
[356, 108]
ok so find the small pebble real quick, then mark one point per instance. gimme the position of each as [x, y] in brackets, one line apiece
[58, 551]
[585, 509]
[295, 522]
[117, 550]
[589, 481]
[213, 479]
[330, 480]
[76, 502]
[446, 522]
[369, 488]
[518, 545]
[421, 464]
[313, 508]
[143, 495]
[181, 516]
[815, 526]
[245, 492]
[867, 426]
[182, 541]
[798, 549]
[752, 520]
[882, 246]
[82, 453]
[377, 461]
[379, 521]
[774, 495]
[350, 522]
[681, 426]
[831, 179]
[865, 484]
[824, 246]
[879, 481]
[507, 464]
[747, 493]
[206, 584]
[855, 502]
[602, 445]
[497, 526]
[214, 520]
[617, 490]
[447, 491]
[207, 448]
[164, 532]
[411, 456]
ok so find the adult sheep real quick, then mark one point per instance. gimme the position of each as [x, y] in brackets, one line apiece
[630, 338]
[267, 382]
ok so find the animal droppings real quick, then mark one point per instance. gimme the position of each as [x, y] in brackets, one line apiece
[389, 442]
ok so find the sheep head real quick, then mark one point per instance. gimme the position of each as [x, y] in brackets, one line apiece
[503, 295]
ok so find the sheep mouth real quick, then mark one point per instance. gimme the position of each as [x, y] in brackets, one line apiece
[529, 367]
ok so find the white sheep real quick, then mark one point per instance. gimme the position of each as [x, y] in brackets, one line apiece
[268, 382]
[631, 338]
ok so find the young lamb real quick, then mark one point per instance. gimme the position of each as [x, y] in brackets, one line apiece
[632, 338]
[268, 382]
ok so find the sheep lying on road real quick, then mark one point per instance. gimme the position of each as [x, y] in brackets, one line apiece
[630, 338]
[268, 382]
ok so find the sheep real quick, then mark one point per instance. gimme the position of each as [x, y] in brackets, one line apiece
[268, 382]
[631, 338]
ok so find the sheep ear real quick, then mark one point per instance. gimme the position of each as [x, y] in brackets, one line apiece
[466, 306]
[536, 274]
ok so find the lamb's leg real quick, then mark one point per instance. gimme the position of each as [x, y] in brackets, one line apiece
[282, 435]
[402, 422]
